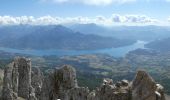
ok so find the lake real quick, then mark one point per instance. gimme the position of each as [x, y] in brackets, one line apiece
[116, 52]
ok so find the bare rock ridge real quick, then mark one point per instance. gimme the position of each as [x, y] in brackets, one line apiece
[21, 82]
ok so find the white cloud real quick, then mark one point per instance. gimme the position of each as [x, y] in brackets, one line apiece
[169, 19]
[133, 19]
[49, 20]
[44, 20]
[100, 2]
[91, 2]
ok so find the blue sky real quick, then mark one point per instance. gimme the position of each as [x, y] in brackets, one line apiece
[155, 11]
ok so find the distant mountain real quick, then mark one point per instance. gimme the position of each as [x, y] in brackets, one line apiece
[145, 33]
[14, 31]
[160, 45]
[55, 37]
[90, 29]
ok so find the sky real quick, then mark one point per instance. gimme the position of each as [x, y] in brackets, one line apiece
[104, 12]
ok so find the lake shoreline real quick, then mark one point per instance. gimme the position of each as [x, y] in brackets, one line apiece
[115, 52]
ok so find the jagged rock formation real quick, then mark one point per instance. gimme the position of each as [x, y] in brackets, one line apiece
[145, 88]
[17, 80]
[1, 80]
[110, 91]
[62, 84]
[20, 81]
[24, 73]
[7, 92]
[37, 81]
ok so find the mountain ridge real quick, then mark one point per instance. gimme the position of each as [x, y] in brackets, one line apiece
[161, 45]
[145, 33]
[56, 37]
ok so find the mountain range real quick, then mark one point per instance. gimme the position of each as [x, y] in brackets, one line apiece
[161, 45]
[55, 37]
[145, 33]
[81, 36]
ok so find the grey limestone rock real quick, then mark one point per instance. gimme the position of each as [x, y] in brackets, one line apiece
[62, 84]
[17, 80]
[37, 81]
[110, 91]
[145, 88]
[24, 70]
[21, 82]
[8, 84]
[78, 93]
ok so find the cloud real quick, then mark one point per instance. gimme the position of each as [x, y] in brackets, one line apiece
[100, 2]
[44, 20]
[91, 2]
[49, 20]
[169, 19]
[133, 19]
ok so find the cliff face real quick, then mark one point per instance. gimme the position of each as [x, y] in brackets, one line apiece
[21, 81]
[62, 84]
[17, 80]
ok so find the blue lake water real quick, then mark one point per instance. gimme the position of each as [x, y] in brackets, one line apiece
[116, 52]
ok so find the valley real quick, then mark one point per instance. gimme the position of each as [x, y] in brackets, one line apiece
[98, 66]
[102, 57]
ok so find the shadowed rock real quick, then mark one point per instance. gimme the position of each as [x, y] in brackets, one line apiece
[37, 81]
[24, 70]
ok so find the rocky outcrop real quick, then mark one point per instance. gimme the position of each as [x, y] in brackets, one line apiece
[37, 81]
[7, 92]
[62, 84]
[1, 80]
[22, 81]
[145, 88]
[78, 93]
[17, 80]
[110, 91]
